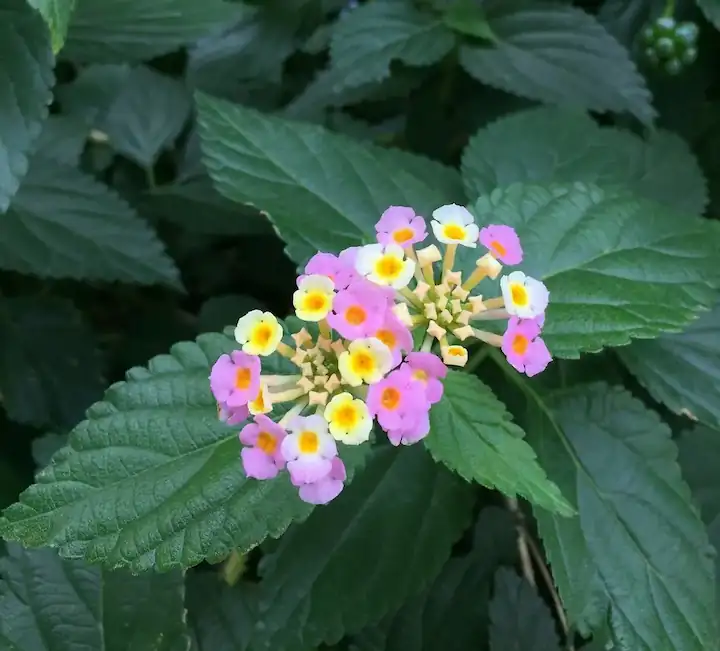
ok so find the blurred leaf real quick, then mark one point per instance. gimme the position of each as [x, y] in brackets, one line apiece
[50, 369]
[557, 54]
[711, 9]
[63, 139]
[387, 535]
[472, 434]
[322, 191]
[63, 224]
[57, 14]
[682, 370]
[468, 17]
[219, 312]
[44, 447]
[550, 144]
[48, 603]
[27, 75]
[520, 619]
[112, 31]
[625, 18]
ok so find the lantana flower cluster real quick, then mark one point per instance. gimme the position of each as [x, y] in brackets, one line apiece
[356, 365]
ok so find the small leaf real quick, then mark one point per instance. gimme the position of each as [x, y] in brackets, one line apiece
[617, 267]
[153, 479]
[519, 617]
[25, 84]
[64, 224]
[550, 144]
[322, 191]
[50, 368]
[48, 603]
[471, 433]
[557, 54]
[57, 14]
[136, 30]
[682, 370]
[387, 535]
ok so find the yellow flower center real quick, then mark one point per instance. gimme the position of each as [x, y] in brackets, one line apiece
[520, 344]
[355, 315]
[519, 294]
[243, 378]
[315, 302]
[498, 248]
[456, 351]
[388, 266]
[390, 398]
[261, 334]
[308, 442]
[259, 403]
[387, 337]
[454, 232]
[421, 375]
[402, 235]
[362, 362]
[267, 442]
[346, 416]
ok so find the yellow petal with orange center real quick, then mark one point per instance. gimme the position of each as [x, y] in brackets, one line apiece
[454, 232]
[308, 442]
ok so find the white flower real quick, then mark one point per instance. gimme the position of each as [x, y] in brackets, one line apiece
[524, 296]
[365, 360]
[385, 265]
[453, 224]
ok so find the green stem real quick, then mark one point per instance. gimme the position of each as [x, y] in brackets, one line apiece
[233, 568]
[669, 9]
[477, 359]
[150, 176]
[427, 343]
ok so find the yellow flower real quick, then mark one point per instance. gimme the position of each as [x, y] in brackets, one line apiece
[259, 333]
[385, 265]
[365, 360]
[348, 418]
[313, 298]
[262, 404]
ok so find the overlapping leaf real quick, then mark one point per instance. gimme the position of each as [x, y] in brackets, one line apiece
[57, 14]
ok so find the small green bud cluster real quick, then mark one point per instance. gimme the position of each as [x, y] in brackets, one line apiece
[670, 45]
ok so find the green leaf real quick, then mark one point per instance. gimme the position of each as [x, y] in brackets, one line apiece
[48, 603]
[57, 14]
[638, 544]
[617, 267]
[44, 447]
[147, 115]
[136, 30]
[368, 39]
[552, 144]
[468, 17]
[711, 9]
[519, 617]
[557, 54]
[50, 369]
[27, 76]
[293, 171]
[386, 536]
[92, 93]
[153, 479]
[472, 434]
[64, 224]
[63, 139]
[682, 370]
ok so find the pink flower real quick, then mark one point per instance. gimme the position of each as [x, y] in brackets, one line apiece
[235, 379]
[400, 225]
[233, 415]
[263, 460]
[428, 369]
[503, 243]
[309, 449]
[525, 350]
[357, 311]
[340, 271]
[394, 335]
[326, 489]
[397, 401]
[411, 432]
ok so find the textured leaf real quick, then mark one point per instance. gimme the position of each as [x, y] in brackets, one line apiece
[552, 144]
[152, 479]
[57, 14]
[27, 67]
[63, 224]
[367, 40]
[322, 191]
[711, 9]
[386, 536]
[48, 603]
[147, 115]
[638, 543]
[471, 433]
[617, 267]
[49, 363]
[557, 54]
[682, 370]
[45, 446]
[63, 139]
[519, 617]
[135, 30]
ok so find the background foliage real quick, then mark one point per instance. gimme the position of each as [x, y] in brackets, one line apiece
[166, 166]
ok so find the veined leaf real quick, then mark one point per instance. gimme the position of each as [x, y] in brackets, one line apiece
[57, 14]
[471, 433]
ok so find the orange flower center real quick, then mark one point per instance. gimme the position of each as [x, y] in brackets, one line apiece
[387, 337]
[355, 315]
[243, 378]
[454, 232]
[346, 416]
[520, 344]
[362, 362]
[308, 442]
[261, 335]
[402, 235]
[390, 398]
[315, 301]
[267, 442]
[498, 248]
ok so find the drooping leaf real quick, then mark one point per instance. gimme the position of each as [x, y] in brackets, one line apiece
[50, 369]
[152, 479]
[618, 267]
[135, 30]
[64, 224]
[387, 535]
[321, 190]
[551, 144]
[49, 603]
[520, 619]
[57, 14]
[682, 370]
[27, 65]
[557, 54]
[471, 433]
